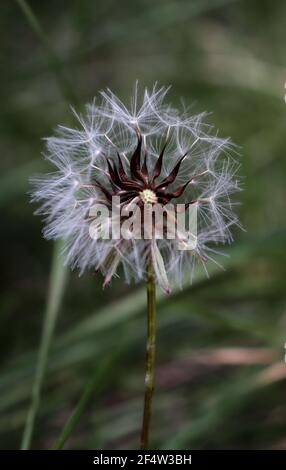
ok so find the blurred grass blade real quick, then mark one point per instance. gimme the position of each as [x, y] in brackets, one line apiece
[59, 271]
[58, 279]
[230, 398]
[115, 313]
[53, 60]
[157, 17]
[96, 384]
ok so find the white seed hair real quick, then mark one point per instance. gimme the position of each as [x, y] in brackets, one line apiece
[108, 126]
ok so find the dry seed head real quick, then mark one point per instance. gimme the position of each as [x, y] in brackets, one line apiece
[150, 152]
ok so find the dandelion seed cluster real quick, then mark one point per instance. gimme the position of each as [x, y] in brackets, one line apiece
[148, 152]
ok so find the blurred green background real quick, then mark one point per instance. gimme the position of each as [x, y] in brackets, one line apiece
[220, 380]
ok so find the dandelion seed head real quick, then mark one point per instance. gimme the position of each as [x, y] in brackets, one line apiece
[147, 152]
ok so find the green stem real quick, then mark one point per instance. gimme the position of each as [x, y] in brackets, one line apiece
[57, 284]
[150, 356]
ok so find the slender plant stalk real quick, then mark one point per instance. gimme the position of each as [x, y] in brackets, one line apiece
[150, 356]
[93, 385]
[57, 284]
[59, 271]
[75, 416]
[98, 382]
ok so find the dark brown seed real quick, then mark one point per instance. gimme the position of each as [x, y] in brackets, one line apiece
[158, 166]
[135, 161]
[172, 176]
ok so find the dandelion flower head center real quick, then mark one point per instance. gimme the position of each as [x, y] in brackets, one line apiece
[148, 196]
[141, 181]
